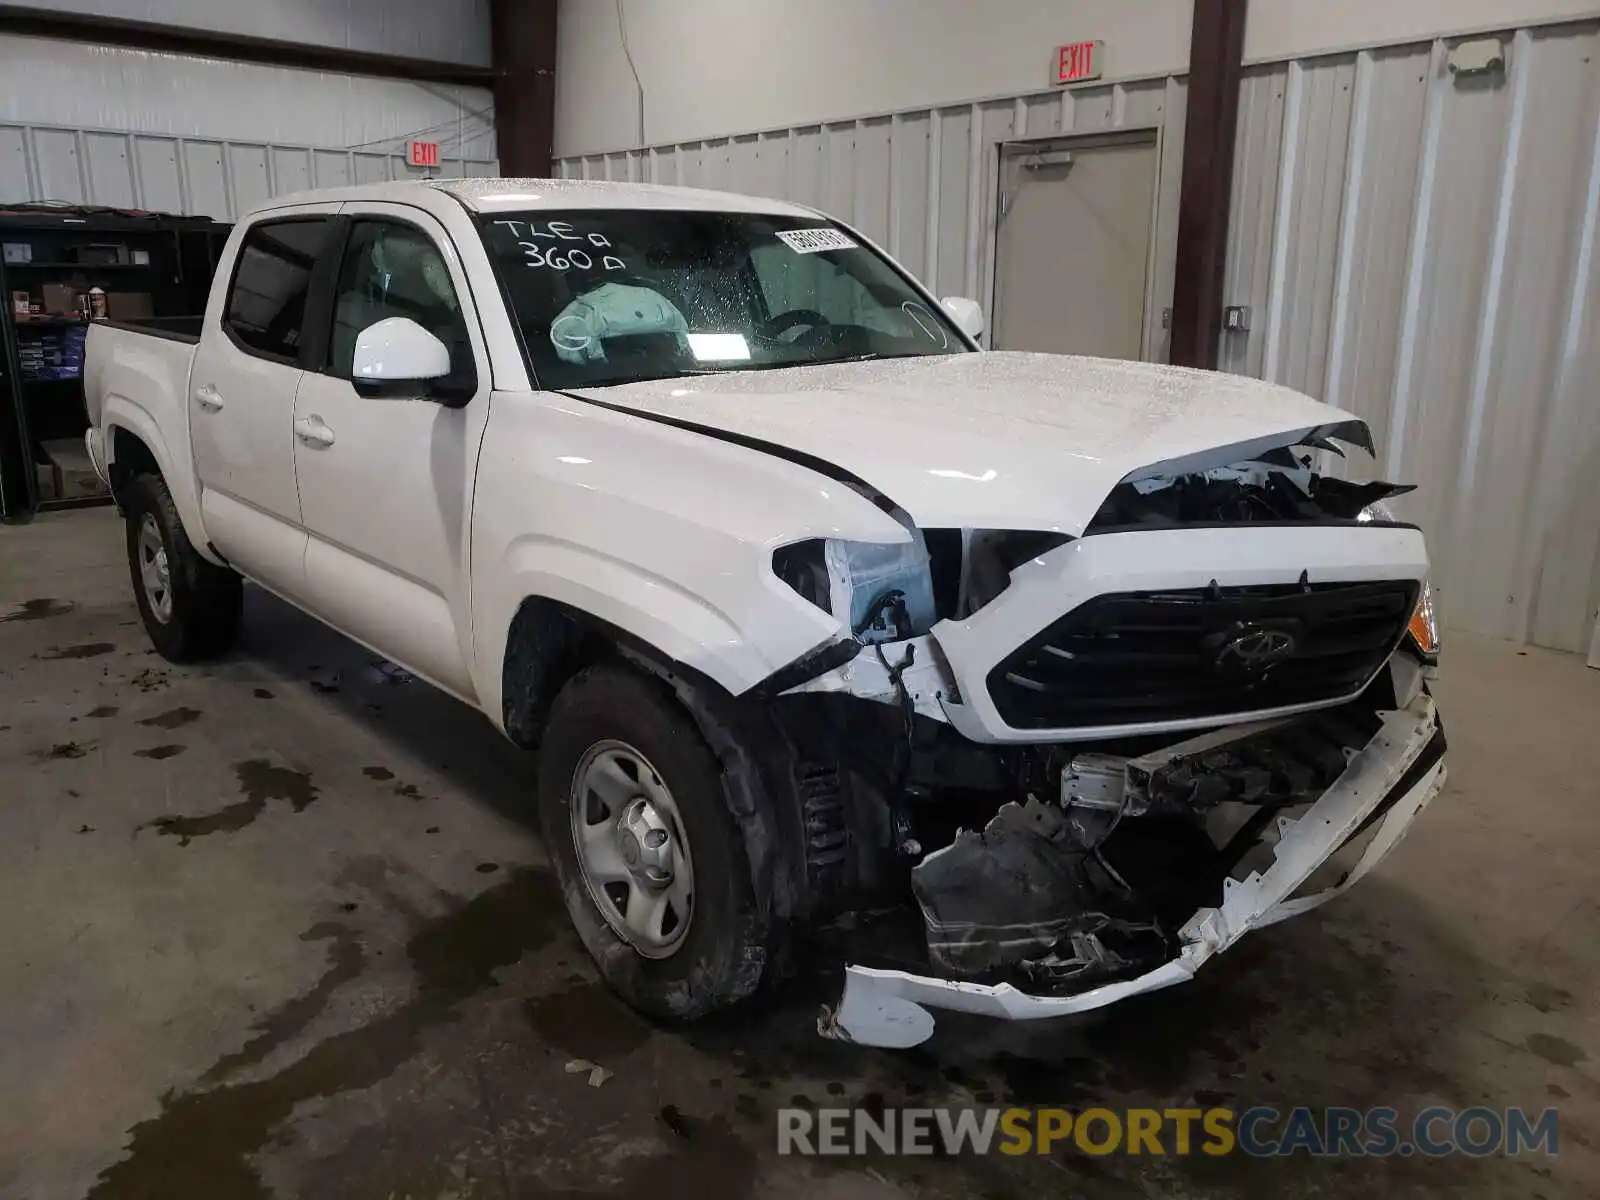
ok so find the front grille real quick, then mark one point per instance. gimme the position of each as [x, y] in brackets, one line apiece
[1130, 658]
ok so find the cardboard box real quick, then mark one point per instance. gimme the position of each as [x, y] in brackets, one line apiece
[18, 252]
[129, 306]
[20, 302]
[61, 299]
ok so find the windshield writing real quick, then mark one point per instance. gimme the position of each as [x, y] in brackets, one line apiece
[614, 296]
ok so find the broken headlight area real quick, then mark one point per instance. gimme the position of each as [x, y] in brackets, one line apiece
[892, 591]
[1089, 879]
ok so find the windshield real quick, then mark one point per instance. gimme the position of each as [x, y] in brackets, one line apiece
[609, 296]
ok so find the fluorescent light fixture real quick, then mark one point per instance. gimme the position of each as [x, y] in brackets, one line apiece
[719, 347]
[575, 460]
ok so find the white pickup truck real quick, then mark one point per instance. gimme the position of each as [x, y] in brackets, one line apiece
[1033, 681]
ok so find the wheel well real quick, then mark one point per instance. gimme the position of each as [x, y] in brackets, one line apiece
[549, 643]
[129, 456]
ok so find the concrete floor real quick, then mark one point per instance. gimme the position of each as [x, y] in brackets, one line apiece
[277, 926]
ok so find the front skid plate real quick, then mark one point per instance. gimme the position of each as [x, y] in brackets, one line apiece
[890, 1008]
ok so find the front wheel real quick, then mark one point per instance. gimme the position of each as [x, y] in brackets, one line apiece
[190, 607]
[651, 863]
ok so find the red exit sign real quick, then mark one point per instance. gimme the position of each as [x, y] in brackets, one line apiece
[1080, 61]
[423, 154]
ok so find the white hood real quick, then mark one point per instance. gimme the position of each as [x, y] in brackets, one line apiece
[1000, 440]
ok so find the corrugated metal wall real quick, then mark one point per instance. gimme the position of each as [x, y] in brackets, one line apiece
[110, 125]
[203, 176]
[1415, 247]
[922, 183]
[449, 30]
[1419, 248]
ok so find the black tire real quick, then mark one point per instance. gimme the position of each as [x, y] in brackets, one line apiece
[721, 956]
[205, 600]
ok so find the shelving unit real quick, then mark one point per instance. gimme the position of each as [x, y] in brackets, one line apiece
[50, 255]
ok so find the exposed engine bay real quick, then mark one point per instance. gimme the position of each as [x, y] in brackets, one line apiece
[1091, 881]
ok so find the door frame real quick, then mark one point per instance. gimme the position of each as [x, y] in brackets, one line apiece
[1126, 135]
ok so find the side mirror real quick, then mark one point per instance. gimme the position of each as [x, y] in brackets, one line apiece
[396, 357]
[968, 315]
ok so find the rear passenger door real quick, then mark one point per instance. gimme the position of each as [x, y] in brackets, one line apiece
[386, 484]
[247, 369]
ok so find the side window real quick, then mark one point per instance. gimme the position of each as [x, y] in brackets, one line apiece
[395, 270]
[267, 300]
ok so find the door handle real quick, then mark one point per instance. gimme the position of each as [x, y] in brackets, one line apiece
[313, 431]
[208, 398]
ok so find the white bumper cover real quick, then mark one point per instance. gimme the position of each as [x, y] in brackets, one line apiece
[890, 1008]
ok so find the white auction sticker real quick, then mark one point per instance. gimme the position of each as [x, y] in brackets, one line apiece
[810, 241]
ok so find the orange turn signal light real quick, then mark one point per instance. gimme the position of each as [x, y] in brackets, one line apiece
[1422, 627]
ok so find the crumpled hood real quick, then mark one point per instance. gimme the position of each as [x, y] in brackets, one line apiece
[1000, 440]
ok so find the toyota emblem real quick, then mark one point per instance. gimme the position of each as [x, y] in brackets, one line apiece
[1253, 649]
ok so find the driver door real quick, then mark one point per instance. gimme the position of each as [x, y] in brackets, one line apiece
[386, 484]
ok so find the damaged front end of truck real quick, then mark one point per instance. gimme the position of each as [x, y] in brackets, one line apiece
[1036, 772]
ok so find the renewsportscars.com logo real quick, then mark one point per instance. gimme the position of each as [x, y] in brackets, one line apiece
[1260, 1132]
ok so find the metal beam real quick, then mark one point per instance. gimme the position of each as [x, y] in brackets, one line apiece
[235, 47]
[522, 34]
[1216, 69]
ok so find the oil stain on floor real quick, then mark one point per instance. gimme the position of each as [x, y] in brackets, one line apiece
[172, 719]
[38, 610]
[587, 1021]
[86, 650]
[259, 782]
[202, 1142]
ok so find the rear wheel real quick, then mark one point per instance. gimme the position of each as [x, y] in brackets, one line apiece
[190, 607]
[651, 862]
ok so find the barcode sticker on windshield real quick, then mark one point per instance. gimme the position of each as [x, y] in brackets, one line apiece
[810, 241]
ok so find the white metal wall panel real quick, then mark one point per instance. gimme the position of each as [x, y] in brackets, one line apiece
[78, 85]
[200, 176]
[206, 177]
[446, 30]
[110, 171]
[922, 183]
[1419, 248]
[155, 166]
[57, 173]
[131, 128]
[14, 165]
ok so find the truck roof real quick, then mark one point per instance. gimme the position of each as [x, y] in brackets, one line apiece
[519, 195]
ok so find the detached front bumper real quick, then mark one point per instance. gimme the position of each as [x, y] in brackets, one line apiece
[1381, 792]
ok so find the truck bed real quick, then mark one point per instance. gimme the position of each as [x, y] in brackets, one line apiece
[145, 365]
[136, 378]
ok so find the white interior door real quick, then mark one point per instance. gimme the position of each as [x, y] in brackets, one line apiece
[1073, 245]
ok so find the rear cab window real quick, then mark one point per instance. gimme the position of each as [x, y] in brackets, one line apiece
[266, 309]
